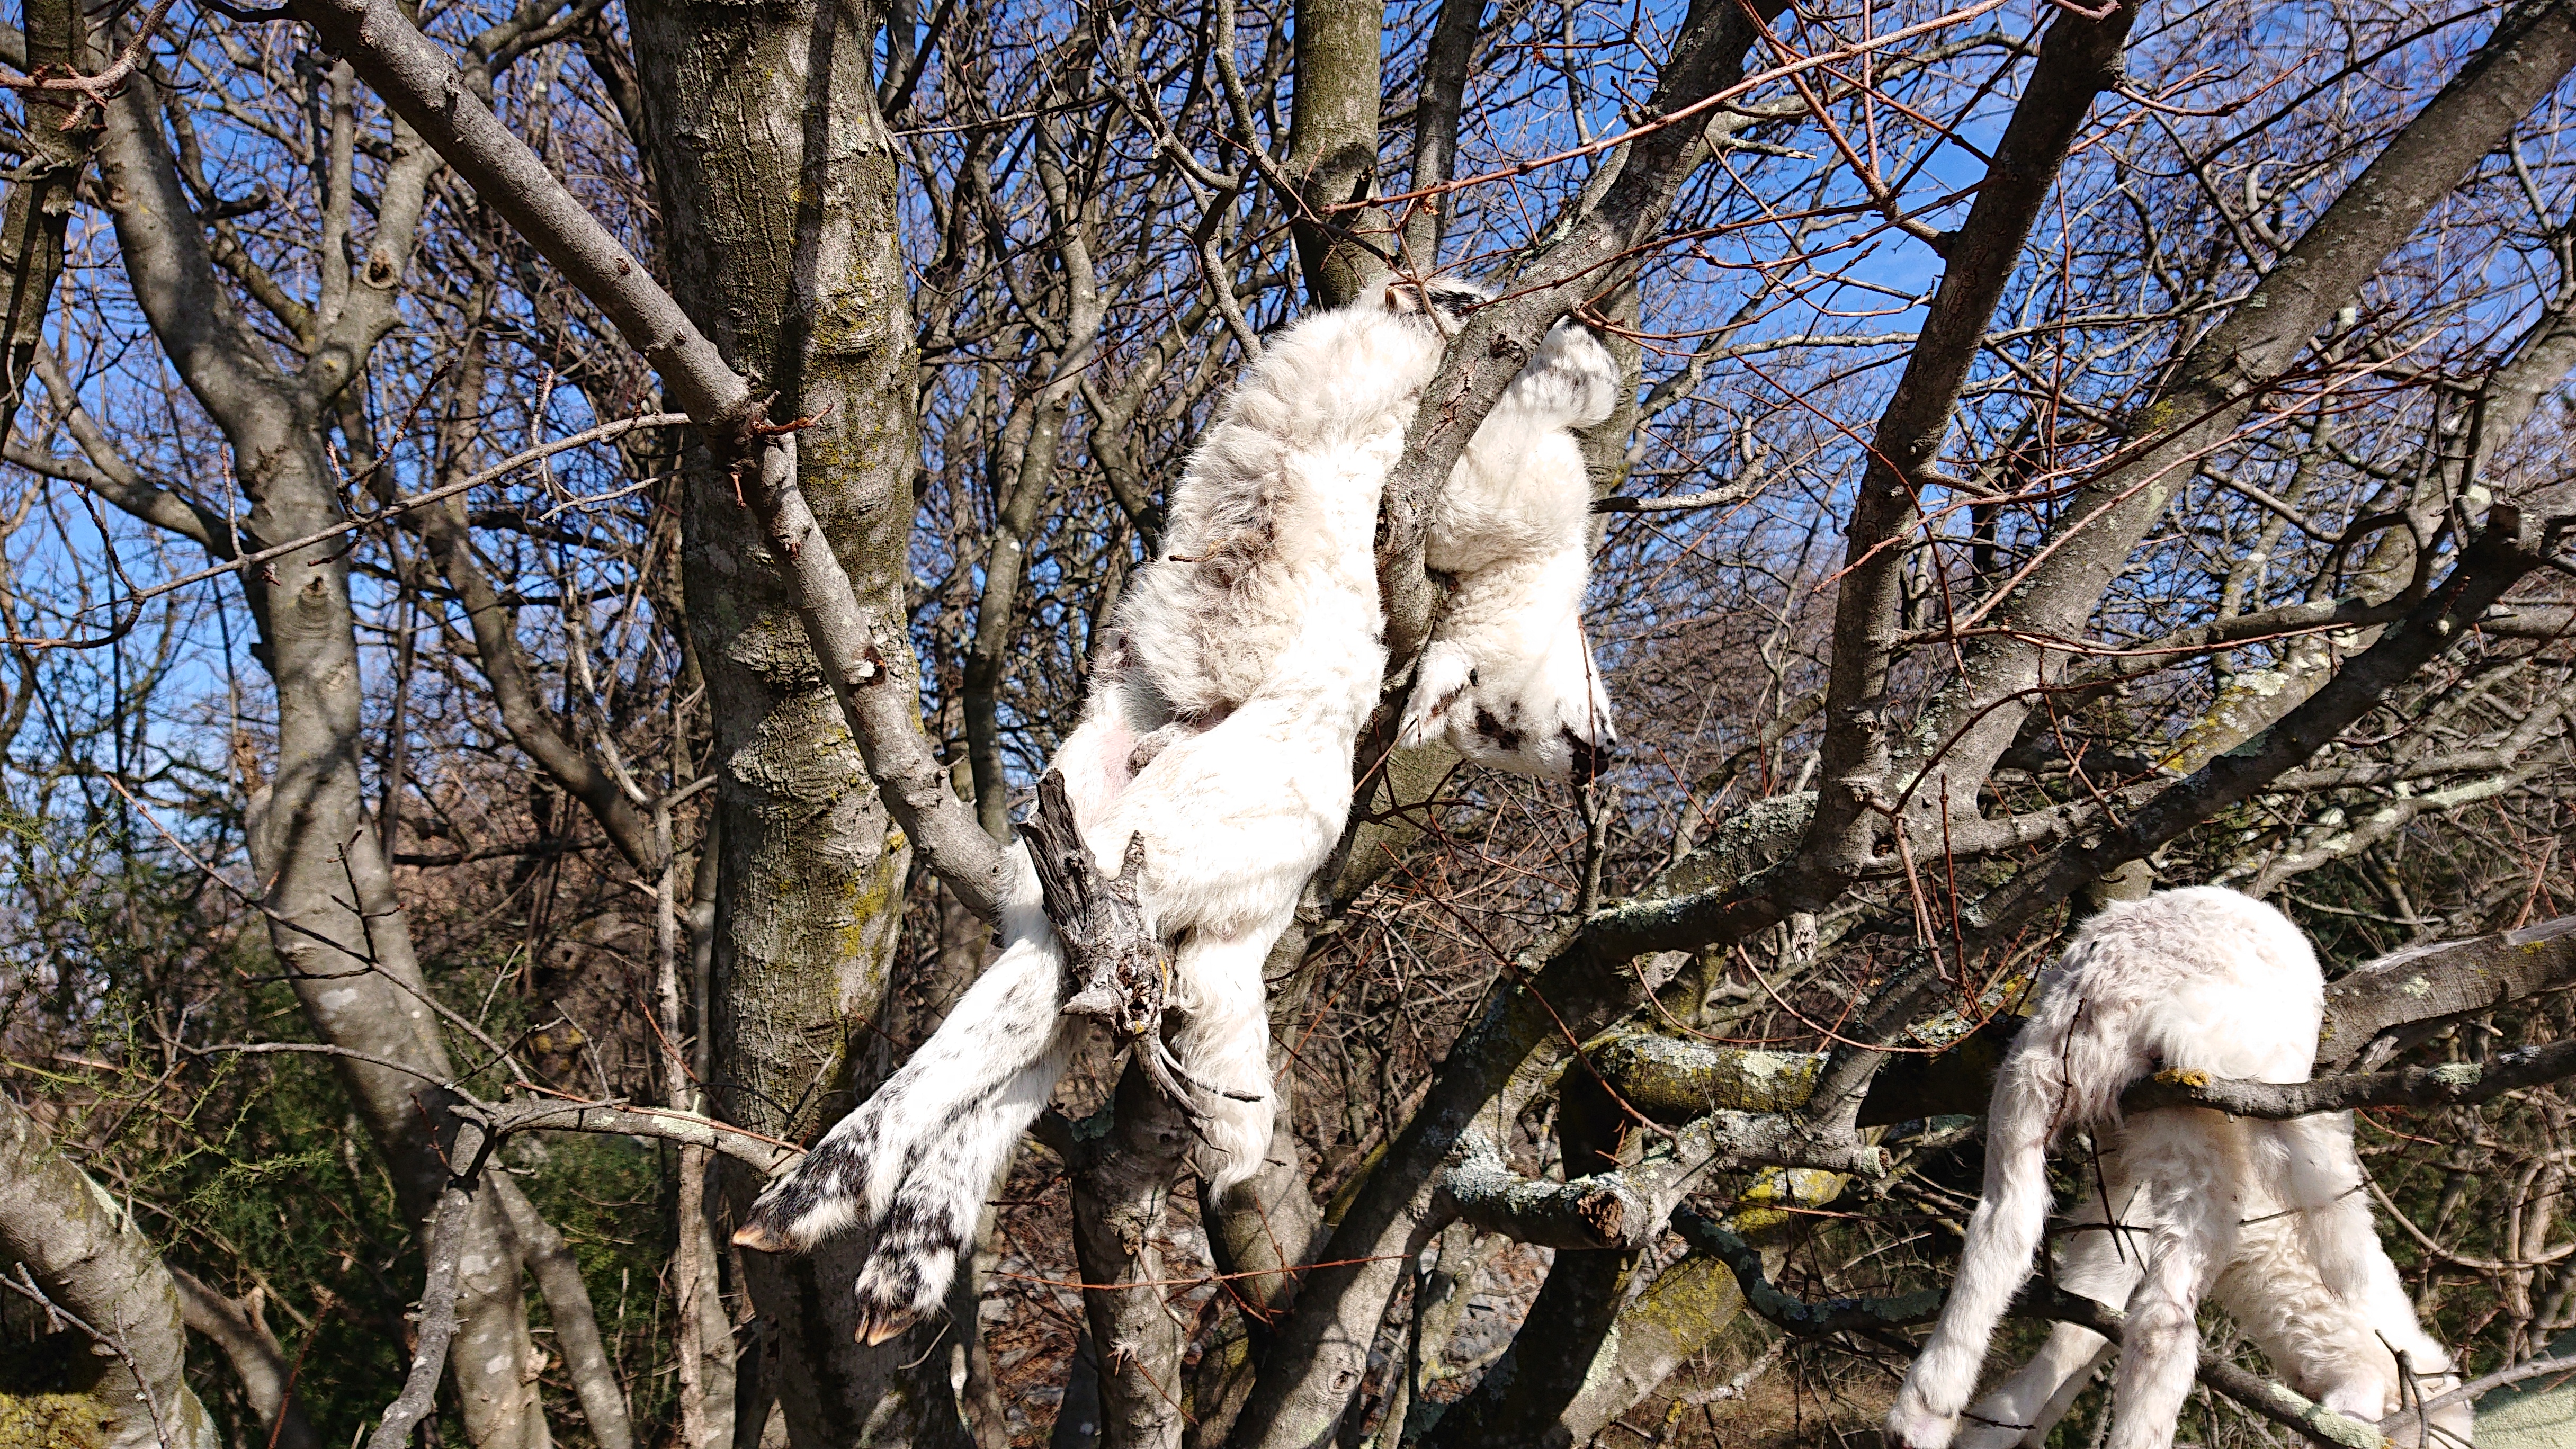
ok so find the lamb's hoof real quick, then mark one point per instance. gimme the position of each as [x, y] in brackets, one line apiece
[879, 1324]
[758, 1237]
[1912, 1424]
[907, 1275]
[818, 1197]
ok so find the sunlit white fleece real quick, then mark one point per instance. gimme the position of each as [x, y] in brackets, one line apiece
[1223, 715]
[2269, 1217]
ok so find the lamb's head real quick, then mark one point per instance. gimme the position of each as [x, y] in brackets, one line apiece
[1538, 712]
[1442, 302]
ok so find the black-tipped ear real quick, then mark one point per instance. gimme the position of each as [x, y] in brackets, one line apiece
[1452, 298]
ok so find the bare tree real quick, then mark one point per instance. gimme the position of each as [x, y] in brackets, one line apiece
[2184, 387]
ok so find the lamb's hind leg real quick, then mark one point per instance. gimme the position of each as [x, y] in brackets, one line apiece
[2023, 1408]
[918, 1157]
[2192, 1234]
[1222, 1040]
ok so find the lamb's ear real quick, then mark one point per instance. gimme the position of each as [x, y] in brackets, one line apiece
[1446, 674]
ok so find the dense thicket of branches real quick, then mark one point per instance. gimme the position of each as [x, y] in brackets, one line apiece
[459, 835]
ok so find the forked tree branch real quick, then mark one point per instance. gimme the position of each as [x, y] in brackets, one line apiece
[2078, 60]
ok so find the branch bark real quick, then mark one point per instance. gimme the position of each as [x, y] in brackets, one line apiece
[1628, 1208]
[59, 136]
[2408, 996]
[2454, 1084]
[92, 1261]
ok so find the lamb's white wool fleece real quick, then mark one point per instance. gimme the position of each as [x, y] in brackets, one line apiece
[1224, 711]
[2267, 1216]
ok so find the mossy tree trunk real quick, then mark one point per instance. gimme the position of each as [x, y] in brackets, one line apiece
[779, 206]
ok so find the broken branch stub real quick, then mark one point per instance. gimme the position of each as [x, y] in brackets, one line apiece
[1120, 971]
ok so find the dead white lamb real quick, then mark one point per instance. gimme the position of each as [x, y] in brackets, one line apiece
[1219, 731]
[2267, 1217]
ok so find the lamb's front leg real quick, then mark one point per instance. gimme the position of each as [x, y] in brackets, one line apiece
[918, 1158]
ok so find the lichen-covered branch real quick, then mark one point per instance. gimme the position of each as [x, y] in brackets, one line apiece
[2415, 992]
[1628, 1208]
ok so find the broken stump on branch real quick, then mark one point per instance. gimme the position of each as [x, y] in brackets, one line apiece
[1120, 971]
[1122, 975]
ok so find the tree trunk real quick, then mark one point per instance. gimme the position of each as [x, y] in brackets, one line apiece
[1119, 1191]
[39, 210]
[780, 241]
[1332, 146]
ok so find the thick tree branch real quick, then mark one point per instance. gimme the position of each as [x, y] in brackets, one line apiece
[93, 1262]
[59, 137]
[1332, 144]
[1123, 1171]
[2408, 996]
[2078, 60]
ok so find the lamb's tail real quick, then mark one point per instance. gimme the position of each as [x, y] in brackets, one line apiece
[2063, 1070]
